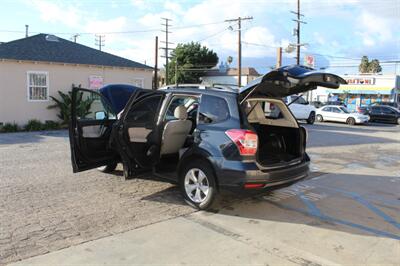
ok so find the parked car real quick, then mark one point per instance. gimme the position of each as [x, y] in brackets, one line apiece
[340, 114]
[301, 109]
[383, 113]
[205, 140]
[391, 104]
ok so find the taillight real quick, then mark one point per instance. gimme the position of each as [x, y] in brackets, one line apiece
[245, 140]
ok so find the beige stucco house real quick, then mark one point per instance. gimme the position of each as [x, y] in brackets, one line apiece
[34, 68]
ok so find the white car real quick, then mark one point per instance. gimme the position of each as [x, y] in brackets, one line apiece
[301, 109]
[340, 114]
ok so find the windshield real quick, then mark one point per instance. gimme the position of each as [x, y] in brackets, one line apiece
[344, 109]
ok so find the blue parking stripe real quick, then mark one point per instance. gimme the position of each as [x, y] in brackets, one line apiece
[365, 203]
[314, 211]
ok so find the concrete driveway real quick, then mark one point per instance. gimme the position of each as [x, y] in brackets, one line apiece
[347, 212]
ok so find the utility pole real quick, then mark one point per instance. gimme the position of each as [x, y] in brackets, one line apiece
[155, 85]
[166, 49]
[239, 21]
[299, 22]
[99, 41]
[278, 57]
[26, 31]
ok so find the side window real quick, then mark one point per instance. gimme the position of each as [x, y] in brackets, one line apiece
[191, 104]
[90, 105]
[387, 110]
[375, 109]
[336, 110]
[213, 109]
[327, 109]
[301, 100]
[144, 113]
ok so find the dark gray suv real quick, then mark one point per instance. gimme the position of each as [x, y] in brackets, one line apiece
[205, 140]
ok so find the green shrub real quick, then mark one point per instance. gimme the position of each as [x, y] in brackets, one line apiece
[9, 127]
[51, 125]
[34, 125]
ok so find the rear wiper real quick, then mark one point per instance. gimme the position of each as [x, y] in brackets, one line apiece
[295, 99]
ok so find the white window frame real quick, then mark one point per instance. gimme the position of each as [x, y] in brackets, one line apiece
[28, 85]
[137, 78]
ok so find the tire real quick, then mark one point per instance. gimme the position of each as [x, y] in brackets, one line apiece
[126, 172]
[197, 184]
[320, 118]
[398, 121]
[351, 121]
[311, 118]
[108, 168]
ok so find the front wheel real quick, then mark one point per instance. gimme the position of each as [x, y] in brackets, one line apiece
[197, 184]
[311, 118]
[351, 121]
[320, 118]
[107, 168]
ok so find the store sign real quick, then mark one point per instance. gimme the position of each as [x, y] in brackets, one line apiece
[309, 60]
[360, 81]
[95, 82]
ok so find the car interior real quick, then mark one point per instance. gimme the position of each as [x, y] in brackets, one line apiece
[280, 138]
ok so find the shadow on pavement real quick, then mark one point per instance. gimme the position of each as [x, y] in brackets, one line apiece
[356, 204]
[30, 137]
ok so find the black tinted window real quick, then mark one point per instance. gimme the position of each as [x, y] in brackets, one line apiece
[213, 109]
[387, 110]
[336, 110]
[144, 112]
[376, 109]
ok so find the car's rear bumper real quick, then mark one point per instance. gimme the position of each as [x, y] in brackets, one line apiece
[236, 175]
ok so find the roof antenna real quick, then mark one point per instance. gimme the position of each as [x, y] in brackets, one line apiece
[26, 31]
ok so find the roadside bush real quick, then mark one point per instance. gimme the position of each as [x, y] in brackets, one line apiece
[51, 125]
[34, 125]
[9, 127]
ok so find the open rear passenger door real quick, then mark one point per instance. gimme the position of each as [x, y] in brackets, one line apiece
[90, 128]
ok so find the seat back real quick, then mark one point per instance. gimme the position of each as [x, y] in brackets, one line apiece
[175, 132]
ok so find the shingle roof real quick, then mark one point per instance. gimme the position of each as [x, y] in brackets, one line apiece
[49, 48]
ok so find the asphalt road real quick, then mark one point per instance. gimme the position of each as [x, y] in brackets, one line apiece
[347, 212]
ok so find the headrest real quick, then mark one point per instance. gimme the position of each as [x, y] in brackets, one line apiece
[180, 112]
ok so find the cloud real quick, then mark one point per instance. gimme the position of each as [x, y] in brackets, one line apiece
[57, 13]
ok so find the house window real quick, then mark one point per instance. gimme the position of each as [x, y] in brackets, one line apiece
[138, 82]
[38, 86]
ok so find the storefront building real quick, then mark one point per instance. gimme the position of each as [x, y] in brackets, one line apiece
[362, 90]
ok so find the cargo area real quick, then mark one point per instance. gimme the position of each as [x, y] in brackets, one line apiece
[280, 139]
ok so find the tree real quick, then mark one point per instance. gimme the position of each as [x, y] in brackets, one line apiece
[64, 105]
[363, 68]
[374, 66]
[191, 60]
[367, 66]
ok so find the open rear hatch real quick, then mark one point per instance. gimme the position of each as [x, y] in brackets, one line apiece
[288, 80]
[281, 139]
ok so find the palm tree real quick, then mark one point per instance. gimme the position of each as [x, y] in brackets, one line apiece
[64, 105]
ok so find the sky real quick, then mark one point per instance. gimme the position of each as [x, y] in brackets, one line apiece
[337, 33]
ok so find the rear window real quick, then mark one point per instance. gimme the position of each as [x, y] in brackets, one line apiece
[213, 110]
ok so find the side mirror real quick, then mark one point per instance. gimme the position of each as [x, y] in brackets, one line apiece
[100, 115]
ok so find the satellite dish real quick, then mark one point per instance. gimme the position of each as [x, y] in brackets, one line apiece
[290, 48]
[229, 59]
[52, 38]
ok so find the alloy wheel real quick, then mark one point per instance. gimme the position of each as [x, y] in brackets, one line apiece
[197, 186]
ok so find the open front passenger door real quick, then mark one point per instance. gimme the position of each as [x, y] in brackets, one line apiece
[90, 128]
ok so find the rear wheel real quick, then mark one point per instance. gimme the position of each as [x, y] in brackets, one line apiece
[320, 118]
[311, 118]
[107, 168]
[197, 184]
[351, 121]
